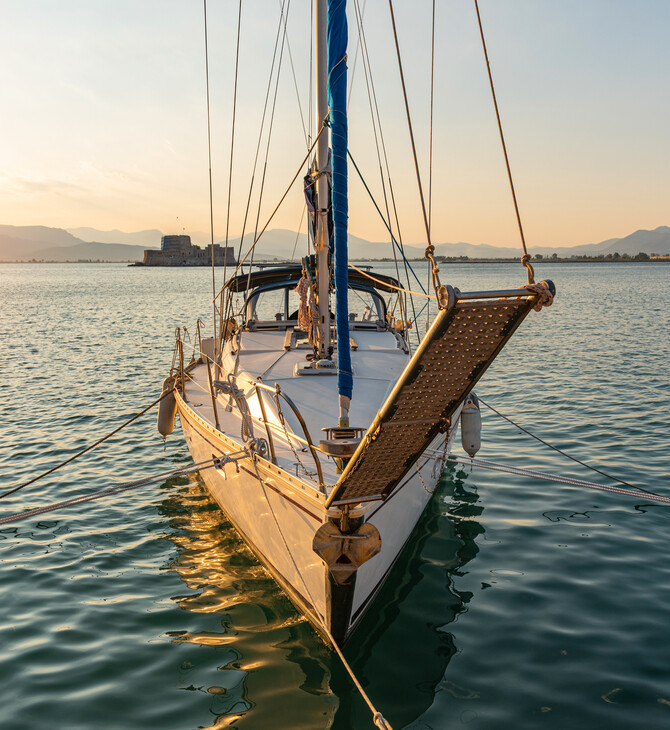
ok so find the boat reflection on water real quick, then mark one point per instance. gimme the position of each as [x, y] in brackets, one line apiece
[401, 650]
[239, 628]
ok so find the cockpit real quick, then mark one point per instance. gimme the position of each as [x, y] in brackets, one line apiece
[269, 300]
[277, 305]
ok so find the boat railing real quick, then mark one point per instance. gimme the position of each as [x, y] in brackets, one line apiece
[307, 440]
[281, 430]
[246, 416]
[499, 294]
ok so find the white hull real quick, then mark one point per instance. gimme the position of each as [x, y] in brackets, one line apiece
[278, 513]
[329, 517]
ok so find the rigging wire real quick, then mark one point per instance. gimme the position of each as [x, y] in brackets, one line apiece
[372, 93]
[232, 140]
[385, 222]
[270, 129]
[386, 283]
[260, 134]
[357, 52]
[367, 69]
[295, 80]
[310, 111]
[409, 124]
[209, 156]
[297, 235]
[525, 259]
[274, 212]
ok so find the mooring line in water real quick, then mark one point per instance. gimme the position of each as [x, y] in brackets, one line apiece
[377, 717]
[109, 491]
[88, 448]
[534, 474]
[563, 453]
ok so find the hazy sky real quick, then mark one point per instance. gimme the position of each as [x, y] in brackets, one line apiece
[103, 123]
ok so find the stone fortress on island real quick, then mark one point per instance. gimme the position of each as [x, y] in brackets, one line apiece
[179, 251]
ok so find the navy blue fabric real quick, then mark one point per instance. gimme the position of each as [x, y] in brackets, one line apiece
[337, 99]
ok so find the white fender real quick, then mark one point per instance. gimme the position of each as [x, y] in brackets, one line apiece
[167, 408]
[471, 425]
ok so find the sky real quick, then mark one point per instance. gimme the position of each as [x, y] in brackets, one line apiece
[103, 116]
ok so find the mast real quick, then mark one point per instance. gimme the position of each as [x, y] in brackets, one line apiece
[322, 238]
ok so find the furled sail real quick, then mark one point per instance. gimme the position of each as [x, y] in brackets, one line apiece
[337, 98]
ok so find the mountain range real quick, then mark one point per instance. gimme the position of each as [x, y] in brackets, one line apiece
[41, 243]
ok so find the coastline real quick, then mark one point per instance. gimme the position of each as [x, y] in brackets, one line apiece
[628, 260]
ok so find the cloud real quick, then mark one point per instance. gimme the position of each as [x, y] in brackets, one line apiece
[19, 184]
[84, 178]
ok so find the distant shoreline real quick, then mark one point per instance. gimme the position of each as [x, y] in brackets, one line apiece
[581, 260]
[125, 263]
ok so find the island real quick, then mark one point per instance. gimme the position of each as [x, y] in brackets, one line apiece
[179, 251]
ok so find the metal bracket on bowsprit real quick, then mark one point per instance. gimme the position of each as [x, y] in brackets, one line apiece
[344, 543]
[344, 553]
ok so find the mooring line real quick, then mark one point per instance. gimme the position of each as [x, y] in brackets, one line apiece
[377, 717]
[534, 474]
[108, 491]
[563, 453]
[88, 448]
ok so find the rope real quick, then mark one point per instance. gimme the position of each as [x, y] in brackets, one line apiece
[546, 298]
[432, 98]
[303, 309]
[386, 284]
[555, 448]
[88, 448]
[533, 474]
[525, 259]
[377, 716]
[409, 124]
[106, 492]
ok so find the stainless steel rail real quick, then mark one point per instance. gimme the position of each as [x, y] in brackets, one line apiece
[277, 392]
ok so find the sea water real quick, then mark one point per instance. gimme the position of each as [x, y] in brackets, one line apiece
[517, 603]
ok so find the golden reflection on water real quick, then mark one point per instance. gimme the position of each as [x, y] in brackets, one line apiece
[260, 629]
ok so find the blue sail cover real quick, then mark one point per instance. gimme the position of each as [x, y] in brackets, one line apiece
[337, 99]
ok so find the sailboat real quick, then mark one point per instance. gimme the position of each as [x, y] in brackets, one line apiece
[326, 429]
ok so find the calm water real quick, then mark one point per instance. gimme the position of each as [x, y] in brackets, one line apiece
[518, 604]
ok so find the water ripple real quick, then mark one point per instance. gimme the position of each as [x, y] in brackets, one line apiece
[516, 604]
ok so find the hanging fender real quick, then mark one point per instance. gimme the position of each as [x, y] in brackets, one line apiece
[167, 408]
[471, 425]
